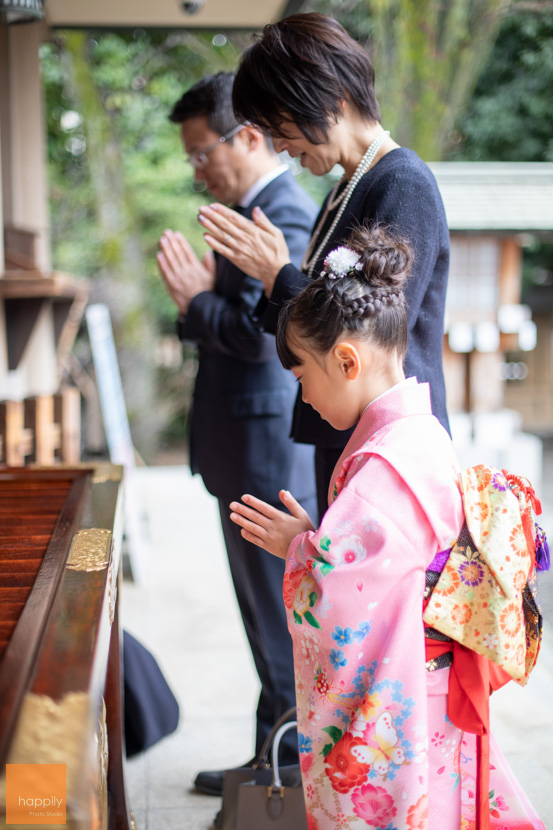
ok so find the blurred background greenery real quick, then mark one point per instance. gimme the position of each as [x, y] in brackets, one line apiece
[467, 80]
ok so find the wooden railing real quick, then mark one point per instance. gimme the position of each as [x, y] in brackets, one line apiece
[60, 657]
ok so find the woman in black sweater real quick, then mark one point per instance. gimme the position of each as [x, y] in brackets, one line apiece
[310, 86]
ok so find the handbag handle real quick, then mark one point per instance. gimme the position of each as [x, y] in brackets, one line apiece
[261, 759]
[277, 783]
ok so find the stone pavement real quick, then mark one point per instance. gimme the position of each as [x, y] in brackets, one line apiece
[184, 611]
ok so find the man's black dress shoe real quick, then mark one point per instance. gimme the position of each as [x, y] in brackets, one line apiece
[210, 782]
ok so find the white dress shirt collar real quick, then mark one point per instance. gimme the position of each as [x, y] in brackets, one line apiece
[260, 184]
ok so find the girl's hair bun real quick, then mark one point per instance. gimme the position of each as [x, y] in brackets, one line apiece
[386, 260]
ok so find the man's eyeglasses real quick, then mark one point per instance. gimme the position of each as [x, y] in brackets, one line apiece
[199, 160]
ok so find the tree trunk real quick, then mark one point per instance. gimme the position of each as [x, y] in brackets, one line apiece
[428, 57]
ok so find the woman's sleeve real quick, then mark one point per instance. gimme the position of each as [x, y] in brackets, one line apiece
[289, 283]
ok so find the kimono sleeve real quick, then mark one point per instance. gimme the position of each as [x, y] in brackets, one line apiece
[373, 537]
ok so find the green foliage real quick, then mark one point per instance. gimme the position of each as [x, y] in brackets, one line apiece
[510, 116]
[537, 267]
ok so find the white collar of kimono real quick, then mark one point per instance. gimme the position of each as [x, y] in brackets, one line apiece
[402, 383]
[262, 182]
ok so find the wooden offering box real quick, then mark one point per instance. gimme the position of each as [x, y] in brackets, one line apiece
[60, 655]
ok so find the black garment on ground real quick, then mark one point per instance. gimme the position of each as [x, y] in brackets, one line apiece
[150, 707]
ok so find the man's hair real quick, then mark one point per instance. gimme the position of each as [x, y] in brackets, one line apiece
[300, 70]
[211, 97]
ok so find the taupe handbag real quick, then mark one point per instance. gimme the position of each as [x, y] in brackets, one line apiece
[261, 798]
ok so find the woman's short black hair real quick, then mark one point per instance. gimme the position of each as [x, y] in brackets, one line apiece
[368, 302]
[299, 71]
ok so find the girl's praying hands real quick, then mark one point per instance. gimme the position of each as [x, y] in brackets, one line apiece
[271, 529]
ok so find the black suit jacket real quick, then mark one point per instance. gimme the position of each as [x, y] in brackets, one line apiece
[243, 398]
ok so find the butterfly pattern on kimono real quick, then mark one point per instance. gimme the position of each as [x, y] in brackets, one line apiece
[388, 751]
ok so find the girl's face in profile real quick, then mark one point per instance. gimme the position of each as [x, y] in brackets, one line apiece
[340, 384]
[325, 385]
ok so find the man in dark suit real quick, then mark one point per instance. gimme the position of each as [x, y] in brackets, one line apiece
[243, 398]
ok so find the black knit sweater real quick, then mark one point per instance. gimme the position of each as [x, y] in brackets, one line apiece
[401, 193]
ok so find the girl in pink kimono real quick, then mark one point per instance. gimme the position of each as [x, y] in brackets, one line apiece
[377, 746]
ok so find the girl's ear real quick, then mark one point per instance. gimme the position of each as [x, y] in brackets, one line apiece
[348, 359]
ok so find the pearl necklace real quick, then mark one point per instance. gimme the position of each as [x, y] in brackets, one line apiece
[311, 258]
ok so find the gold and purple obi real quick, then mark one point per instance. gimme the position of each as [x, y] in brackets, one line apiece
[485, 596]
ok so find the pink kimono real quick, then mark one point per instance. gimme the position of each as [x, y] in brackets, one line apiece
[376, 746]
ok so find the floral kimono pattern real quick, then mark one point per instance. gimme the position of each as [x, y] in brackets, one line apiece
[376, 746]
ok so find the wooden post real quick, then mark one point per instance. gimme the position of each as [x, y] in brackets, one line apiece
[510, 272]
[39, 416]
[67, 414]
[13, 432]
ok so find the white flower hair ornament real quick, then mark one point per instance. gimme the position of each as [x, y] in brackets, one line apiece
[340, 262]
